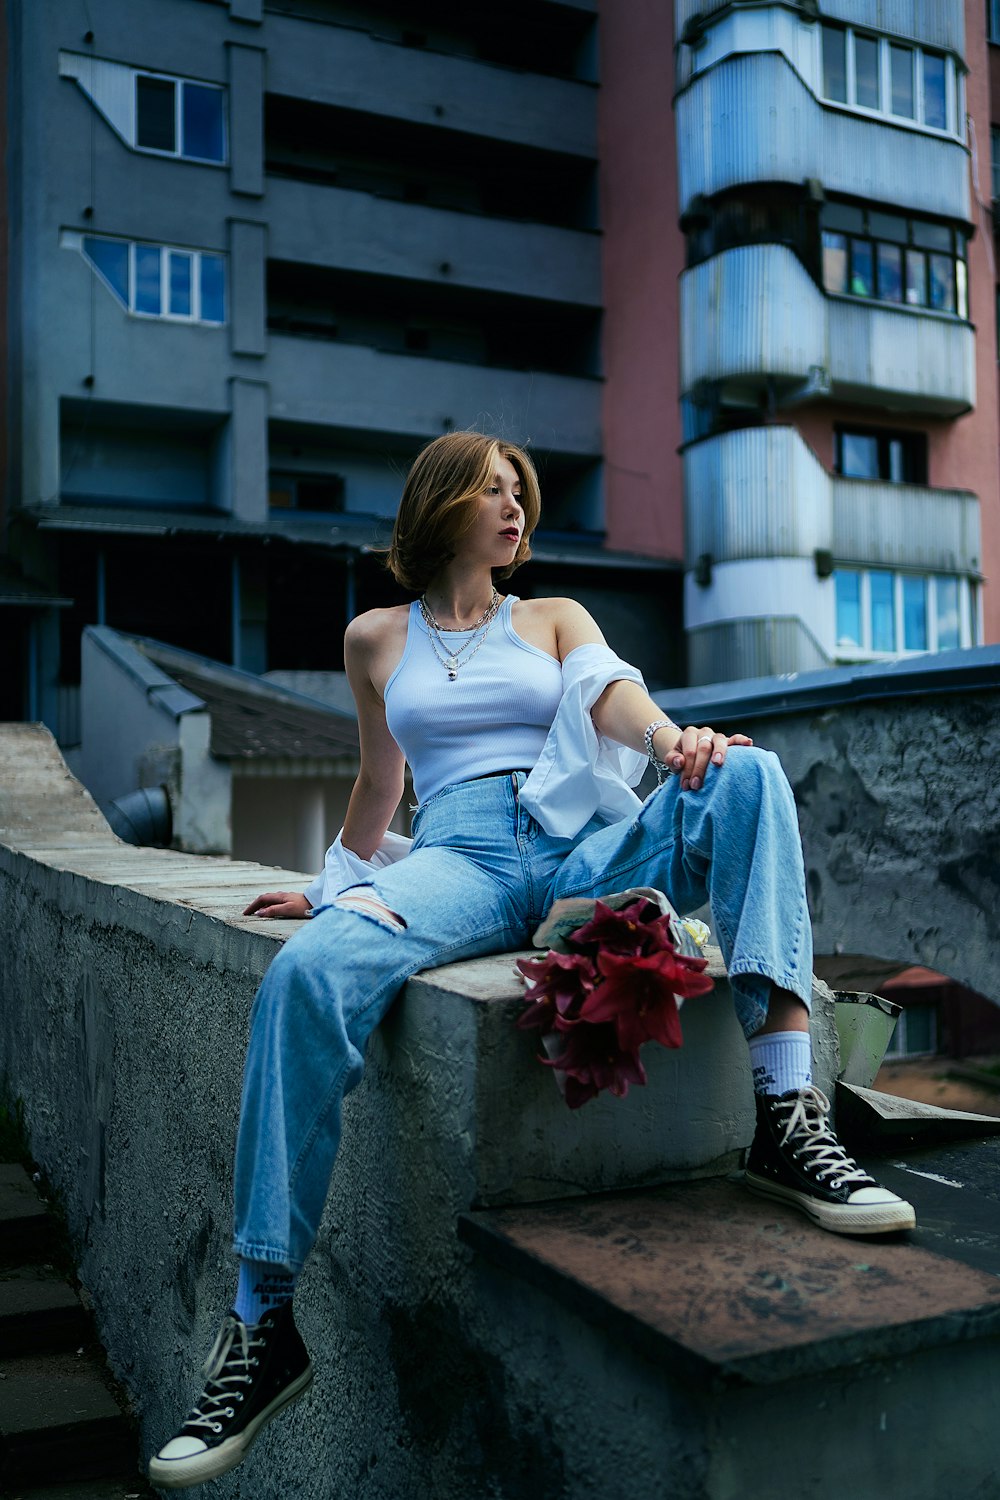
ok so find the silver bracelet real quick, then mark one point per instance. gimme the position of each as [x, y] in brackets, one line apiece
[660, 766]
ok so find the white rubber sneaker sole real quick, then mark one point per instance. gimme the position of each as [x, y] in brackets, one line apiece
[840, 1218]
[180, 1473]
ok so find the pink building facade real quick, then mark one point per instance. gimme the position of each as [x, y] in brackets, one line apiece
[800, 343]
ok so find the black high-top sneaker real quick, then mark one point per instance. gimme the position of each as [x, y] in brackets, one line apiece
[253, 1371]
[796, 1158]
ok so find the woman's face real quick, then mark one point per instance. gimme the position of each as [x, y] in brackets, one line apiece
[495, 534]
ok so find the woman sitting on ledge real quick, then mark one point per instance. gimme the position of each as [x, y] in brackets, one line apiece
[521, 729]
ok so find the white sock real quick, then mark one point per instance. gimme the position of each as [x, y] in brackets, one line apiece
[781, 1061]
[262, 1285]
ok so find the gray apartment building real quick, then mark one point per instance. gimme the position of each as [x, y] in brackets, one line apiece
[259, 252]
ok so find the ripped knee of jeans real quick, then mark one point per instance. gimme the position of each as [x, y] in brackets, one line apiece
[362, 899]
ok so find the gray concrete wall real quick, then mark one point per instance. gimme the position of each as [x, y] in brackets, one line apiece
[127, 983]
[893, 770]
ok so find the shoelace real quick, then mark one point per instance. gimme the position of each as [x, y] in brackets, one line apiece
[807, 1132]
[228, 1364]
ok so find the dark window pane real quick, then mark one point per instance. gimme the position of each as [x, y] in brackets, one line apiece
[843, 216]
[147, 280]
[897, 461]
[834, 261]
[862, 268]
[995, 160]
[180, 284]
[887, 227]
[154, 114]
[213, 289]
[859, 455]
[916, 278]
[204, 135]
[110, 258]
[934, 91]
[914, 614]
[942, 283]
[901, 66]
[848, 595]
[890, 273]
[866, 90]
[931, 236]
[835, 63]
[949, 630]
[883, 611]
[921, 1029]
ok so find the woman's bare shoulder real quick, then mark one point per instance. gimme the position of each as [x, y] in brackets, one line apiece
[571, 625]
[376, 628]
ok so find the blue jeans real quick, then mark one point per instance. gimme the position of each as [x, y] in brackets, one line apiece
[480, 877]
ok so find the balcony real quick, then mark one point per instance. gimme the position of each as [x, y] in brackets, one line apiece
[328, 226]
[337, 65]
[761, 492]
[752, 119]
[754, 323]
[351, 386]
[934, 23]
[758, 503]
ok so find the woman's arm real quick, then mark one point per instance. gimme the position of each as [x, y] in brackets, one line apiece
[624, 710]
[379, 786]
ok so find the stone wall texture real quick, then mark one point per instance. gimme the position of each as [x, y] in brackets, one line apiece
[127, 978]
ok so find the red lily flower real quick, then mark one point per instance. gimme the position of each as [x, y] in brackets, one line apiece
[622, 931]
[637, 994]
[592, 1059]
[560, 982]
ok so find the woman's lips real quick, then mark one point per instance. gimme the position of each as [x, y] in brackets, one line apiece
[515, 536]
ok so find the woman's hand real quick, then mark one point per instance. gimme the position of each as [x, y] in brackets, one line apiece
[690, 756]
[280, 905]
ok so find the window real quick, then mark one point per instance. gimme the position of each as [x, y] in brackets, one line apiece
[868, 253]
[915, 1032]
[874, 453]
[316, 492]
[153, 111]
[993, 20]
[995, 159]
[179, 117]
[159, 281]
[879, 612]
[871, 72]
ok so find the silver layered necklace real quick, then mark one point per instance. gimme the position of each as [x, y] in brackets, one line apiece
[452, 661]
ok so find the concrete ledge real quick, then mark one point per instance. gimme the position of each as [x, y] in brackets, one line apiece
[127, 982]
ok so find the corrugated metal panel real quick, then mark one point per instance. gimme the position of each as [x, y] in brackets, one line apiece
[751, 648]
[908, 526]
[686, 10]
[752, 311]
[935, 23]
[752, 119]
[760, 492]
[928, 360]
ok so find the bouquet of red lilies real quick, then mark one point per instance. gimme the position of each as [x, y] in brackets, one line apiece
[613, 988]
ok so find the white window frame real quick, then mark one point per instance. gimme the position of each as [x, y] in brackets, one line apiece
[75, 241]
[177, 154]
[953, 83]
[968, 627]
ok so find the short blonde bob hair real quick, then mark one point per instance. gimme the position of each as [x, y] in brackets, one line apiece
[439, 504]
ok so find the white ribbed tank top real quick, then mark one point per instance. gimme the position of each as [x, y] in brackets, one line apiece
[495, 716]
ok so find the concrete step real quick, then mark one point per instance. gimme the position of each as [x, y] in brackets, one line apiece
[39, 1315]
[128, 1487]
[58, 1421]
[26, 1226]
[730, 1307]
